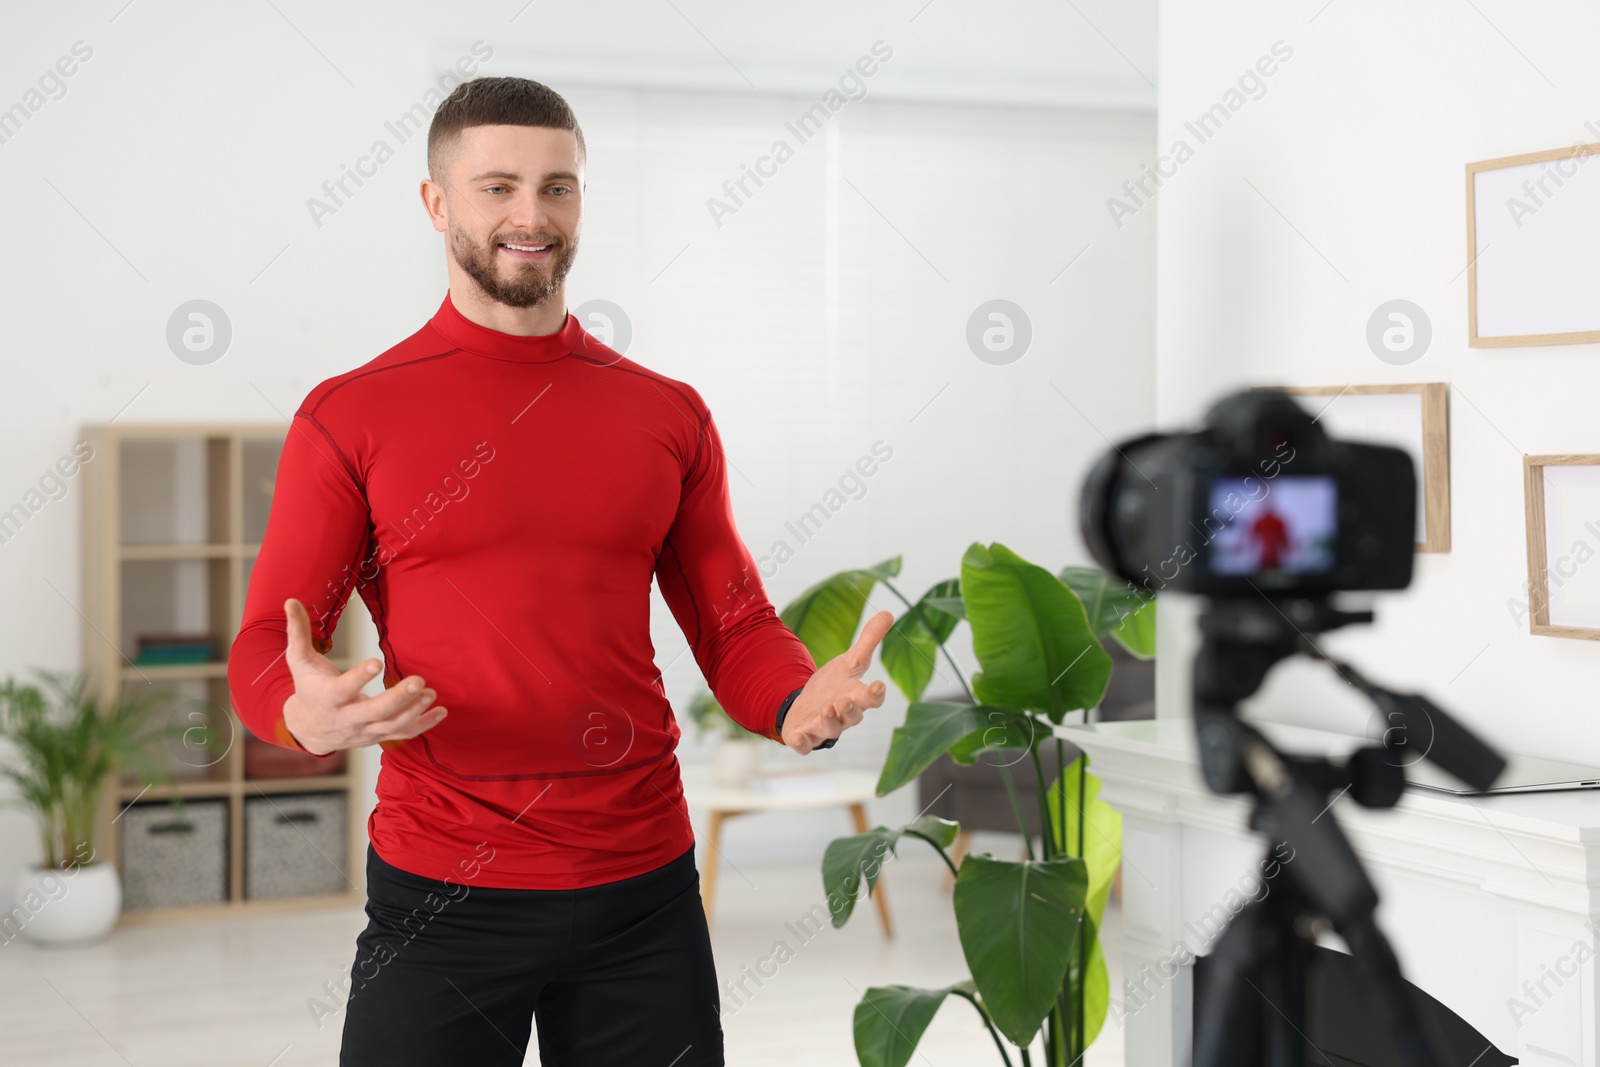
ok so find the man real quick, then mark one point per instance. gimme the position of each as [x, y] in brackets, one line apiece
[501, 488]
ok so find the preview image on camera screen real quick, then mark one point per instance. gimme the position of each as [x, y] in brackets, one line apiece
[1286, 525]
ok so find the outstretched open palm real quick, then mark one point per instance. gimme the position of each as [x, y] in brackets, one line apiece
[835, 698]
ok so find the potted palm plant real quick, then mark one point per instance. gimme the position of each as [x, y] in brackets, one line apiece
[1028, 928]
[67, 747]
[737, 754]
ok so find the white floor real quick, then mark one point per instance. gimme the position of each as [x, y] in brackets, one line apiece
[233, 992]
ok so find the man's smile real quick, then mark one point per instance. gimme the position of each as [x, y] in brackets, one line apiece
[518, 250]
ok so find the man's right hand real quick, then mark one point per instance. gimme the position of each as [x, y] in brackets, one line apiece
[328, 712]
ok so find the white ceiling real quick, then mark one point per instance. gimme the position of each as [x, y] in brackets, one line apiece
[1094, 53]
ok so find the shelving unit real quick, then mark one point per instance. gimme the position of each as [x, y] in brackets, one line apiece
[173, 519]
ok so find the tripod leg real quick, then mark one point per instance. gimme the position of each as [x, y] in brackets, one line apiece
[1284, 989]
[1388, 994]
[1228, 1016]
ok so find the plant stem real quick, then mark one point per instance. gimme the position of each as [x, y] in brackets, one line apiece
[984, 1014]
[1061, 802]
[1058, 1039]
[1083, 779]
[937, 848]
[924, 620]
[1016, 805]
[1046, 831]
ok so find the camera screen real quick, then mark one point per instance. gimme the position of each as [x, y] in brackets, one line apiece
[1286, 525]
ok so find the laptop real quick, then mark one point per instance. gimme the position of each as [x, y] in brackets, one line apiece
[1523, 774]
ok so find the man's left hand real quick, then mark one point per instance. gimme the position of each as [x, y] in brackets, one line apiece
[835, 698]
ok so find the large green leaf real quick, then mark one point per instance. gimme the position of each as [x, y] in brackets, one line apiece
[890, 1020]
[953, 604]
[1101, 847]
[1097, 990]
[1107, 599]
[851, 862]
[1137, 632]
[1006, 729]
[911, 646]
[826, 616]
[1030, 635]
[1115, 607]
[930, 729]
[1018, 923]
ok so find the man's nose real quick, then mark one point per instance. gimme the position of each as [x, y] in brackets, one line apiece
[528, 213]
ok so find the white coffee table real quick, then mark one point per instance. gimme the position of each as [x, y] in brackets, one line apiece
[852, 789]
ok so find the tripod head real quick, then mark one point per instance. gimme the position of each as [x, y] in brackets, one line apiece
[1242, 639]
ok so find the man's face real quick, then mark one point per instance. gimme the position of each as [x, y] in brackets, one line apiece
[514, 207]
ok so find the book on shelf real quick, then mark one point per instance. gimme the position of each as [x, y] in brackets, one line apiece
[161, 649]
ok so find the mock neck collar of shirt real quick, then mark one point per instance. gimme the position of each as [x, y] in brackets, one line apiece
[545, 348]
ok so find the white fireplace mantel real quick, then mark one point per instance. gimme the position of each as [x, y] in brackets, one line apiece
[1489, 902]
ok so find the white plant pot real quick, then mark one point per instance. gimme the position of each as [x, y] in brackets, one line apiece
[72, 906]
[734, 760]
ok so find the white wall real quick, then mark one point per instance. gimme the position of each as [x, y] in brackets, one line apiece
[1340, 188]
[827, 313]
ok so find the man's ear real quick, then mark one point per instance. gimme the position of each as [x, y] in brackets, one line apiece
[440, 221]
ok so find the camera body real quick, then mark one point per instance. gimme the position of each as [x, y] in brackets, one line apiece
[1260, 500]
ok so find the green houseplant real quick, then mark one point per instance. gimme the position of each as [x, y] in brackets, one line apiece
[68, 747]
[1028, 928]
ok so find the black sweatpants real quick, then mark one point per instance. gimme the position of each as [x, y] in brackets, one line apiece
[450, 973]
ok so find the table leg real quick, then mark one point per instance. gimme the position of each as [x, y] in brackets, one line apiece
[858, 813]
[708, 877]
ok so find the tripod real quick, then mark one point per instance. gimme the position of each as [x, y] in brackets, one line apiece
[1254, 1010]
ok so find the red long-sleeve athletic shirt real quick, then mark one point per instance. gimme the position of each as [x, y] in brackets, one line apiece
[501, 504]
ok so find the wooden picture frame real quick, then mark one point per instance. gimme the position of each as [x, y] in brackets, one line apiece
[1533, 248]
[1432, 439]
[1550, 615]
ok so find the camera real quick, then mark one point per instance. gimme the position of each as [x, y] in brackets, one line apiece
[1260, 499]
[1266, 515]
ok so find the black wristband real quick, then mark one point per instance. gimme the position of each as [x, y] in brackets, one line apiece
[783, 710]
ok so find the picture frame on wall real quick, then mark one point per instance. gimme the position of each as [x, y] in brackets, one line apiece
[1563, 503]
[1413, 417]
[1533, 248]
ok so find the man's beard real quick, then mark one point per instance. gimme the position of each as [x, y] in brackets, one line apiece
[530, 285]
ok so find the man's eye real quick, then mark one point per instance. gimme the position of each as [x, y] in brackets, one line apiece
[493, 187]
[560, 189]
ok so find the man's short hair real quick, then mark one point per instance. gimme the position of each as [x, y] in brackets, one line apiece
[503, 101]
